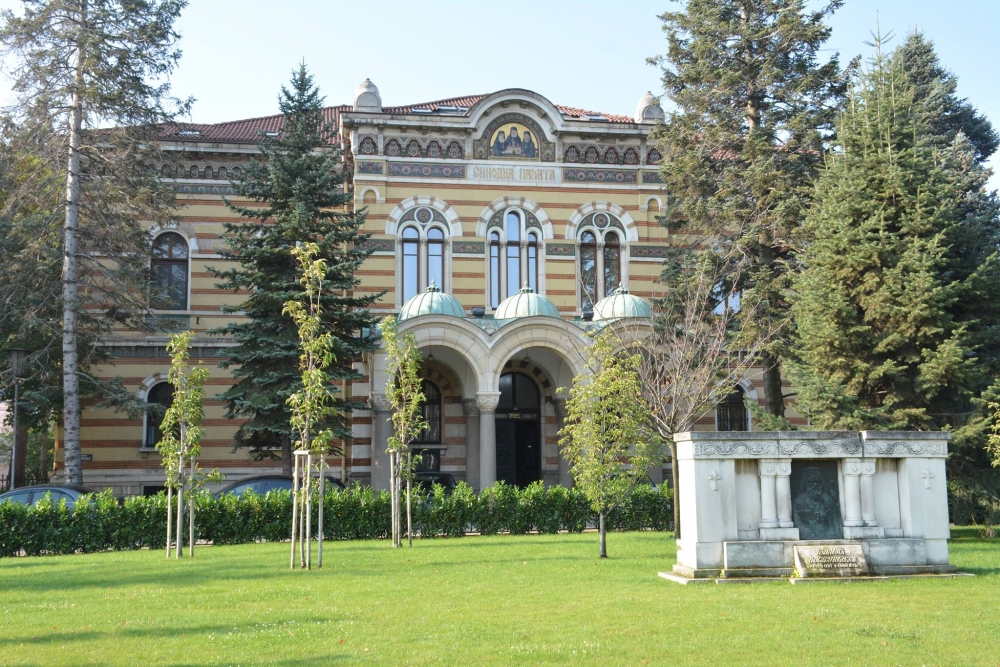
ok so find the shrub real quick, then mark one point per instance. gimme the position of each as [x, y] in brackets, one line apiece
[101, 523]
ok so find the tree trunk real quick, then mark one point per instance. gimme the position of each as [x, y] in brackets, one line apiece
[191, 515]
[286, 455]
[308, 512]
[676, 500]
[604, 535]
[180, 522]
[774, 401]
[43, 456]
[322, 498]
[295, 517]
[409, 503]
[70, 278]
[170, 515]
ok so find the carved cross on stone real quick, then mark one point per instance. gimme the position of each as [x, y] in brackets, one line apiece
[714, 480]
[927, 478]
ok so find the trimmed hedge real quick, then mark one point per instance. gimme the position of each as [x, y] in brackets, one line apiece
[100, 523]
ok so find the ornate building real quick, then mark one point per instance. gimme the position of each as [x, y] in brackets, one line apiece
[504, 228]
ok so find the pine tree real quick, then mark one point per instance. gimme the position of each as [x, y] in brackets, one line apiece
[753, 107]
[299, 185]
[935, 92]
[92, 97]
[895, 324]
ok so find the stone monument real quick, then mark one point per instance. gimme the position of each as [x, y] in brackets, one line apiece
[811, 503]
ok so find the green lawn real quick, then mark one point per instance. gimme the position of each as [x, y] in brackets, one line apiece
[472, 601]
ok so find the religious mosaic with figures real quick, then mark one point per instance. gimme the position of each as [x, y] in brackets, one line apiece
[513, 136]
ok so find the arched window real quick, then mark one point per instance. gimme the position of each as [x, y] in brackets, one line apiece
[432, 414]
[161, 396]
[588, 270]
[533, 261]
[494, 270]
[411, 262]
[731, 413]
[170, 272]
[435, 257]
[612, 263]
[513, 230]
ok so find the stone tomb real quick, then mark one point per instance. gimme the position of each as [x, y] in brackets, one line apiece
[827, 503]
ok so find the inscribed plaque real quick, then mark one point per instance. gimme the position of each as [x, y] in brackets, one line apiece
[830, 560]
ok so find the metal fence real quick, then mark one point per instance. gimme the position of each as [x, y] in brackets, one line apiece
[28, 481]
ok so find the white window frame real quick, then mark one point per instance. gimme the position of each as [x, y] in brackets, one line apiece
[523, 245]
[423, 258]
[623, 260]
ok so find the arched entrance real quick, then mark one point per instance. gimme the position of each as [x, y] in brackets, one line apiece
[519, 430]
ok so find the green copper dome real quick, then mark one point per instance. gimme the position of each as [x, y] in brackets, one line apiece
[431, 302]
[621, 305]
[525, 304]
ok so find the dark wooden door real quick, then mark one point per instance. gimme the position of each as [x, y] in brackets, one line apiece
[506, 456]
[528, 457]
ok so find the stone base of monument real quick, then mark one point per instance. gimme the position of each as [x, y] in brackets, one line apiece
[749, 560]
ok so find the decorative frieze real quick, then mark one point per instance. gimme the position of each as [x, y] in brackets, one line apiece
[369, 167]
[560, 249]
[422, 170]
[598, 176]
[468, 247]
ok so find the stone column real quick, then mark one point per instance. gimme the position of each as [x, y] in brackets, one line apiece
[471, 442]
[783, 488]
[487, 402]
[768, 507]
[381, 431]
[565, 478]
[852, 493]
[868, 492]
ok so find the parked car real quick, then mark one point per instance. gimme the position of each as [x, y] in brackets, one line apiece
[262, 484]
[426, 481]
[29, 495]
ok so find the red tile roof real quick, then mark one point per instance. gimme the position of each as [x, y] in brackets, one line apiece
[249, 130]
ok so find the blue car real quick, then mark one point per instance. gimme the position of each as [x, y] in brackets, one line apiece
[29, 495]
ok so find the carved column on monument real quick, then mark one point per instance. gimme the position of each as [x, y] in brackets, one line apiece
[487, 402]
[768, 507]
[471, 442]
[565, 478]
[852, 493]
[381, 410]
[868, 492]
[784, 493]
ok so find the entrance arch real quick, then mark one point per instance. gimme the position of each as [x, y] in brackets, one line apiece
[519, 430]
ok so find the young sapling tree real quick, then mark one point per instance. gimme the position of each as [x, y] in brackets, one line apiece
[313, 404]
[406, 398]
[608, 439]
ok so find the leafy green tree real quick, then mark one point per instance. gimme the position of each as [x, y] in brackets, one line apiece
[753, 106]
[895, 320]
[90, 78]
[312, 405]
[608, 439]
[182, 431]
[299, 184]
[402, 367]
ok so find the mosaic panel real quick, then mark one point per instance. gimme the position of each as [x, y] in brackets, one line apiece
[653, 156]
[369, 167]
[651, 177]
[423, 215]
[514, 136]
[598, 176]
[468, 247]
[601, 154]
[199, 189]
[427, 170]
[379, 245]
[367, 146]
[560, 249]
[529, 219]
[650, 251]
[602, 220]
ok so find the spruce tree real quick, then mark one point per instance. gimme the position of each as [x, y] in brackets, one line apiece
[298, 186]
[754, 105]
[895, 317]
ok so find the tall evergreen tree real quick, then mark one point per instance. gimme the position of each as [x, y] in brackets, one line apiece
[935, 91]
[299, 186]
[895, 316]
[753, 105]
